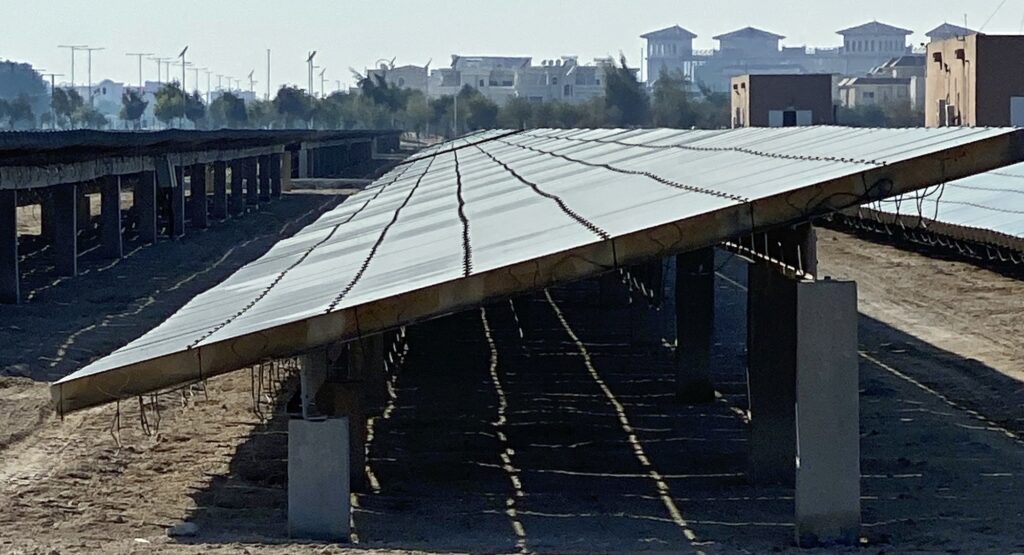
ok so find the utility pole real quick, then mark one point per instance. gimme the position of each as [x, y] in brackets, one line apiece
[74, 50]
[322, 80]
[309, 61]
[252, 84]
[160, 69]
[90, 50]
[208, 73]
[268, 74]
[53, 87]
[140, 55]
[195, 74]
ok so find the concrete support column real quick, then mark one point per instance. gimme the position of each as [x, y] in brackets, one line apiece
[827, 416]
[275, 176]
[771, 375]
[177, 224]
[145, 205]
[286, 171]
[264, 178]
[10, 275]
[303, 156]
[695, 323]
[237, 202]
[220, 190]
[200, 207]
[65, 232]
[111, 243]
[84, 208]
[251, 182]
[318, 479]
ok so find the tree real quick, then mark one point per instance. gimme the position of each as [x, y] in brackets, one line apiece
[65, 103]
[20, 114]
[89, 118]
[228, 110]
[20, 79]
[417, 111]
[672, 106]
[262, 114]
[293, 104]
[4, 109]
[195, 109]
[133, 105]
[479, 112]
[516, 113]
[625, 99]
[169, 103]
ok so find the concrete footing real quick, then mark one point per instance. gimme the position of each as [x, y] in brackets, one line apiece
[10, 275]
[695, 323]
[319, 507]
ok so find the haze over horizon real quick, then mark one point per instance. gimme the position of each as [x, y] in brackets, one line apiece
[231, 37]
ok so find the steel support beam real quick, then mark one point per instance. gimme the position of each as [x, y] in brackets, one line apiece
[220, 190]
[10, 275]
[695, 324]
[111, 237]
[65, 232]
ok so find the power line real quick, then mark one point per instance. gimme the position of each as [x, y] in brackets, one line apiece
[987, 21]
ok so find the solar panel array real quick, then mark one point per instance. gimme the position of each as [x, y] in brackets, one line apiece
[479, 205]
[988, 202]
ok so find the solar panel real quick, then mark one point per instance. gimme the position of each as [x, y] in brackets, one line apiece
[988, 207]
[500, 213]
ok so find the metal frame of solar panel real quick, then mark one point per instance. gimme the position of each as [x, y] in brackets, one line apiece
[501, 213]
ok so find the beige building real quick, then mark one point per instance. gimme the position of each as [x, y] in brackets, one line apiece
[782, 100]
[857, 92]
[976, 80]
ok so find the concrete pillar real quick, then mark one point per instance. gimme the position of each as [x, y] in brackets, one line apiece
[771, 375]
[145, 205]
[264, 178]
[286, 171]
[84, 208]
[65, 232]
[177, 223]
[695, 323]
[111, 243]
[275, 175]
[827, 416]
[10, 275]
[220, 190]
[237, 202]
[303, 156]
[318, 479]
[199, 206]
[251, 182]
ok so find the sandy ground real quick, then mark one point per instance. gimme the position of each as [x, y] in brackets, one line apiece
[530, 426]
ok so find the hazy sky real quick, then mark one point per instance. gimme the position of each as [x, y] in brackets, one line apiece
[231, 36]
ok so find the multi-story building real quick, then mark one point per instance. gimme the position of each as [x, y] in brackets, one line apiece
[856, 92]
[975, 80]
[753, 51]
[782, 100]
[948, 31]
[669, 50]
[408, 76]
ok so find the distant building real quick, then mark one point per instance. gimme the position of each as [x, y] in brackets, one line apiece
[910, 66]
[755, 51]
[948, 31]
[782, 100]
[669, 50]
[855, 92]
[503, 78]
[106, 96]
[977, 80]
[864, 45]
[403, 77]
